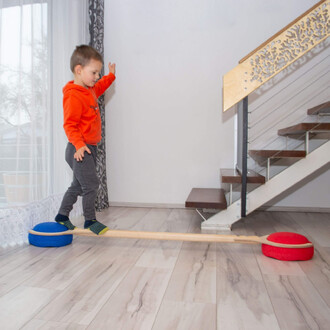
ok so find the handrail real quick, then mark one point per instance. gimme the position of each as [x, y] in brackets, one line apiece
[282, 30]
[277, 53]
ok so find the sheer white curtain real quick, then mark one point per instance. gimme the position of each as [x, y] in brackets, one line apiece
[37, 38]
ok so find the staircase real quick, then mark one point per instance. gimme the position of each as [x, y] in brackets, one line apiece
[306, 163]
[260, 187]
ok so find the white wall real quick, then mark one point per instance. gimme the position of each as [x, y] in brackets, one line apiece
[166, 132]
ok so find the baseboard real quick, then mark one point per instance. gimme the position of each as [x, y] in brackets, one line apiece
[262, 208]
[294, 209]
[149, 205]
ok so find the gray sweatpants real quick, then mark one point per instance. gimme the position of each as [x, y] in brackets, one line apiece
[85, 182]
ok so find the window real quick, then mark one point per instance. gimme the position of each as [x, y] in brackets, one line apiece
[24, 133]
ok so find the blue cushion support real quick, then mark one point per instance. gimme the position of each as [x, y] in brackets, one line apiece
[50, 241]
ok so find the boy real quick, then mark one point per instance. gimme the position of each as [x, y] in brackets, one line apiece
[82, 125]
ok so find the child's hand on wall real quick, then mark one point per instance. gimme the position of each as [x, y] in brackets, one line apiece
[79, 154]
[112, 67]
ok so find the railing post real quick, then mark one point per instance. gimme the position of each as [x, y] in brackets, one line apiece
[244, 157]
[242, 149]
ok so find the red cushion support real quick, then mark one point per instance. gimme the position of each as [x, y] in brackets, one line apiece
[287, 254]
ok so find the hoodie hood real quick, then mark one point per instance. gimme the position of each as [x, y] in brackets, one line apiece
[70, 86]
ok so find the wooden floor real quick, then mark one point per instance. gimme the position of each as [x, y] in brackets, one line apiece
[103, 283]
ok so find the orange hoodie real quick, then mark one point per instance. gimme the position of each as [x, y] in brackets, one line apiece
[82, 119]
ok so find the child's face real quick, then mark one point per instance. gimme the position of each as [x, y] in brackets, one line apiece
[88, 75]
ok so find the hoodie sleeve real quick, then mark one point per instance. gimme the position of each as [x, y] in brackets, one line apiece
[72, 107]
[103, 84]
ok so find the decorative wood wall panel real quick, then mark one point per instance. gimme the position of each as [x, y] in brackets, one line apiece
[282, 50]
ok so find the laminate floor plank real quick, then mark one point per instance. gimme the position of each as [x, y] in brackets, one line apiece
[164, 254]
[18, 257]
[45, 271]
[135, 303]
[318, 271]
[296, 303]
[185, 316]
[153, 220]
[45, 325]
[17, 306]
[194, 276]
[21, 274]
[86, 295]
[242, 298]
[311, 223]
[62, 273]
[129, 219]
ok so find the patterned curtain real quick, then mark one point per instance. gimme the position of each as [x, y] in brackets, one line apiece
[96, 30]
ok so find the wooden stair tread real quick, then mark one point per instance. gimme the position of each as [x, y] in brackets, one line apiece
[278, 153]
[230, 175]
[207, 198]
[303, 128]
[320, 109]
